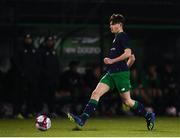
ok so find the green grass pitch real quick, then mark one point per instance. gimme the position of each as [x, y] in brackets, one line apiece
[101, 127]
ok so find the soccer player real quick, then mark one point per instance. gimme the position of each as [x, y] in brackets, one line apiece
[119, 60]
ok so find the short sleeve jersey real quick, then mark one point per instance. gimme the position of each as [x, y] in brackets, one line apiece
[119, 44]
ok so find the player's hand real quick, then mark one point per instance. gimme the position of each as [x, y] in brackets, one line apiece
[108, 61]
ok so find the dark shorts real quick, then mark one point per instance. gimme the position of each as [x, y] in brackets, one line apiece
[119, 80]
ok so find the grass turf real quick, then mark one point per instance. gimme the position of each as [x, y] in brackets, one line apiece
[109, 127]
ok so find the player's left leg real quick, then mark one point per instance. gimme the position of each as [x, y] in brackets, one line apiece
[138, 108]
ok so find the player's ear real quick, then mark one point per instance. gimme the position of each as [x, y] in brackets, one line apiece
[121, 24]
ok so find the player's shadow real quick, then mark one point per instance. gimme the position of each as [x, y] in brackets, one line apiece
[141, 130]
[154, 130]
[80, 129]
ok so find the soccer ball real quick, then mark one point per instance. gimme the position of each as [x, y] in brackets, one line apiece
[43, 122]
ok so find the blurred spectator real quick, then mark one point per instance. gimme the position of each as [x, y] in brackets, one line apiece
[26, 61]
[49, 70]
[152, 83]
[5, 65]
[71, 84]
[6, 107]
[5, 77]
[170, 88]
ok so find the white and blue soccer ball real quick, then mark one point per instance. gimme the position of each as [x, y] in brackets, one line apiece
[43, 122]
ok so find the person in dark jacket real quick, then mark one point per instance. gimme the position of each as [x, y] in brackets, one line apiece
[49, 67]
[26, 60]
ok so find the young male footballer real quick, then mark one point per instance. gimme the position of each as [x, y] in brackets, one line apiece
[119, 60]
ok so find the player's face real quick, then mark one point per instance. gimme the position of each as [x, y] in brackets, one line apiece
[115, 27]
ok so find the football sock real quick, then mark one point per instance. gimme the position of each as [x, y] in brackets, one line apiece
[89, 109]
[139, 109]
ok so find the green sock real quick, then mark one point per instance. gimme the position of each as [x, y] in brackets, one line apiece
[89, 109]
[139, 108]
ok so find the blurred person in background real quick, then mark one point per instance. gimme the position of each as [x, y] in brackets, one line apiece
[152, 83]
[170, 89]
[6, 88]
[71, 81]
[26, 61]
[49, 72]
[5, 75]
[119, 60]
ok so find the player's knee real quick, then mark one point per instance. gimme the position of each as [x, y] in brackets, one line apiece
[128, 102]
[95, 95]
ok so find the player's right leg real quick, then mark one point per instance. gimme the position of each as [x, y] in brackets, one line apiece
[90, 108]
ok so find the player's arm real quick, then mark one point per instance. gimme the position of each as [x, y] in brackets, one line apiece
[131, 60]
[125, 55]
